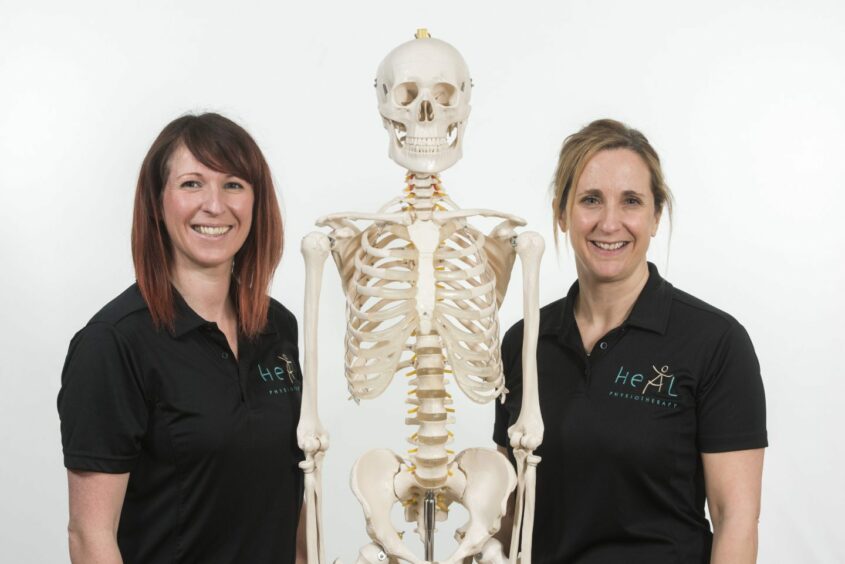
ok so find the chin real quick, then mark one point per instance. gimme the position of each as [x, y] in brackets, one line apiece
[606, 271]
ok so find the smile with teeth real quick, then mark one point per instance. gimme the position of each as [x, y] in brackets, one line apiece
[212, 230]
[424, 145]
[609, 246]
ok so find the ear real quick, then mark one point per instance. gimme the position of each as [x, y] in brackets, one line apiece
[656, 222]
[561, 222]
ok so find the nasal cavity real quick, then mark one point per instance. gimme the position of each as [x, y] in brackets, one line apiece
[426, 111]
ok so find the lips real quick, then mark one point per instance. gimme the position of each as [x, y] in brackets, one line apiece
[609, 246]
[212, 230]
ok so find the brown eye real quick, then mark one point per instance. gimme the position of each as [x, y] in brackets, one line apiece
[405, 93]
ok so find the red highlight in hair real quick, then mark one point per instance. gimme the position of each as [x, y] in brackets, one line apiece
[223, 146]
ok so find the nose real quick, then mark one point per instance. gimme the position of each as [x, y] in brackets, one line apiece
[610, 219]
[213, 199]
[426, 111]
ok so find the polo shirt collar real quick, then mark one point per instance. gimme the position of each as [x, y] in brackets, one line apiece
[650, 311]
[187, 319]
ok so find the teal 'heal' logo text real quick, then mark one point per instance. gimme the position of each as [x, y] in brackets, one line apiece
[657, 390]
[283, 379]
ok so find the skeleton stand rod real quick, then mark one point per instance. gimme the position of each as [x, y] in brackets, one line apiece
[428, 520]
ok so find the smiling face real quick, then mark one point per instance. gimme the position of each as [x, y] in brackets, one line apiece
[612, 217]
[208, 214]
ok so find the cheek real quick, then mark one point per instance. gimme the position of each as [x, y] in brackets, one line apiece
[642, 226]
[581, 223]
[243, 210]
[171, 210]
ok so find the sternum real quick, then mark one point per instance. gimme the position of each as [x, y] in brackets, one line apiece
[425, 235]
[431, 417]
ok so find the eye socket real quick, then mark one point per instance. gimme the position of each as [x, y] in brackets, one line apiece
[190, 184]
[405, 93]
[445, 94]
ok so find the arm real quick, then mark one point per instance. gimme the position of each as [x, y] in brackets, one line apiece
[526, 434]
[733, 481]
[311, 436]
[95, 501]
[301, 545]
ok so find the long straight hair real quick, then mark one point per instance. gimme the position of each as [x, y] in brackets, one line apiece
[223, 146]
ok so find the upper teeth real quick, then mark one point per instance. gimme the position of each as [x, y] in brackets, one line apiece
[425, 145]
[609, 246]
[209, 230]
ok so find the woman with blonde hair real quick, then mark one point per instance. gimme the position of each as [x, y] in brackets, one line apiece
[652, 399]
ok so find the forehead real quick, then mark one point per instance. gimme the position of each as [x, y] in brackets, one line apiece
[616, 170]
[183, 161]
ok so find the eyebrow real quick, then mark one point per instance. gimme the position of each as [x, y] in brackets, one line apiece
[633, 193]
[190, 174]
[598, 192]
[591, 192]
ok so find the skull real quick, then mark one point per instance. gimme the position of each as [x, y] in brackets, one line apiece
[423, 89]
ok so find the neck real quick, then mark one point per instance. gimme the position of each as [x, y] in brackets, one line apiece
[206, 291]
[422, 191]
[608, 304]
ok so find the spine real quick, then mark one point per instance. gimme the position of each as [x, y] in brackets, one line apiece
[430, 413]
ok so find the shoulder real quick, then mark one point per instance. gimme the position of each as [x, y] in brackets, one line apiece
[113, 327]
[717, 332]
[705, 318]
[125, 305]
[123, 317]
[282, 319]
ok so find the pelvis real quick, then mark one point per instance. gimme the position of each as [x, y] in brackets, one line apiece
[481, 480]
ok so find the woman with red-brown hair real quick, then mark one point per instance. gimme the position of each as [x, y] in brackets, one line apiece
[180, 398]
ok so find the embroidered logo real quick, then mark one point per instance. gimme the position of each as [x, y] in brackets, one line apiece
[657, 390]
[281, 378]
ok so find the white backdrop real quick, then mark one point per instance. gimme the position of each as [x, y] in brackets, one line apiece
[743, 100]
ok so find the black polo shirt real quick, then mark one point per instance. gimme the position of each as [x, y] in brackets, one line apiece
[621, 475]
[209, 440]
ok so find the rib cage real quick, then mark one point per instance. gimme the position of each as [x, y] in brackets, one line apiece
[382, 318]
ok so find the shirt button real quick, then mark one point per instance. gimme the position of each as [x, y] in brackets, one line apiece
[225, 355]
[603, 345]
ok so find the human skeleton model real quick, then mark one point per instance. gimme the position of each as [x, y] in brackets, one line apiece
[423, 289]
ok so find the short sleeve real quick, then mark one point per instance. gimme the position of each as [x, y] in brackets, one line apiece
[731, 401]
[101, 403]
[511, 364]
